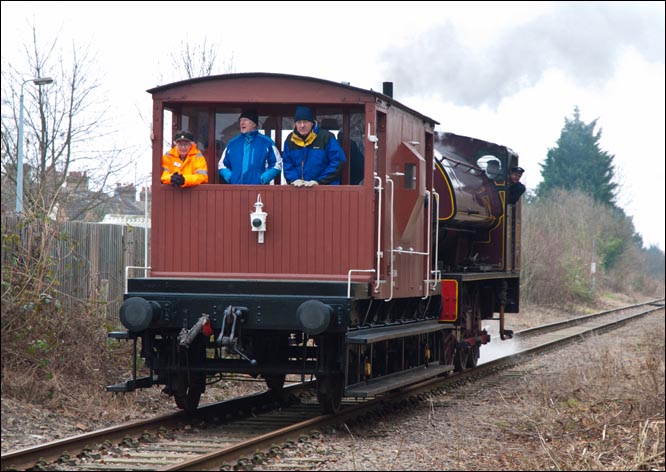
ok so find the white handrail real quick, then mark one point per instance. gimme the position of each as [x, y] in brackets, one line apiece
[429, 226]
[438, 275]
[379, 230]
[400, 250]
[127, 268]
[389, 181]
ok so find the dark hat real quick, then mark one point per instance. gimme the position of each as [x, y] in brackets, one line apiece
[517, 170]
[184, 136]
[303, 113]
[250, 114]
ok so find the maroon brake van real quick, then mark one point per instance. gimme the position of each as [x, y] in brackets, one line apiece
[364, 287]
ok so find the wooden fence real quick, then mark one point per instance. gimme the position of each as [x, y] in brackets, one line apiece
[88, 259]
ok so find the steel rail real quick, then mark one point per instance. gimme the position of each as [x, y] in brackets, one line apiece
[246, 449]
[28, 457]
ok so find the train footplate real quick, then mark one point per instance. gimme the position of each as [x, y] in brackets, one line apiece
[131, 385]
[396, 380]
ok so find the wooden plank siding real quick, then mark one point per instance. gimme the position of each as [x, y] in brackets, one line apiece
[312, 233]
[88, 260]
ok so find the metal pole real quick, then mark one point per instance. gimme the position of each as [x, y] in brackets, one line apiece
[19, 165]
[145, 231]
[19, 155]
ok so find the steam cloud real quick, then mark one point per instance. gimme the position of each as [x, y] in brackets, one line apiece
[581, 39]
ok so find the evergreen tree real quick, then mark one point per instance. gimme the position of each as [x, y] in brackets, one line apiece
[578, 163]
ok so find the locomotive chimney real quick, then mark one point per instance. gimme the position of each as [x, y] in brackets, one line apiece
[387, 89]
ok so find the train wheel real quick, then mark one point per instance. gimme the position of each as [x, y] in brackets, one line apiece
[448, 348]
[460, 359]
[472, 356]
[273, 350]
[330, 378]
[330, 389]
[470, 322]
[188, 393]
[275, 382]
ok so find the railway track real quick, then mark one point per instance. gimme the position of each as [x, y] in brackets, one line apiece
[254, 427]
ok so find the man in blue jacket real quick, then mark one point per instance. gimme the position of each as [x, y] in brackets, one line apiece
[311, 155]
[250, 157]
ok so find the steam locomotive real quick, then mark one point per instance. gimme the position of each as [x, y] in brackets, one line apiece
[364, 287]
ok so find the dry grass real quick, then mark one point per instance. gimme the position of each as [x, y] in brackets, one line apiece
[605, 413]
[598, 405]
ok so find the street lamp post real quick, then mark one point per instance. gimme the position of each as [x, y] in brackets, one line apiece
[19, 165]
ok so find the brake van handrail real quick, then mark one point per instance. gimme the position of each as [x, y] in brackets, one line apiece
[392, 249]
[349, 278]
[127, 268]
[437, 272]
[378, 187]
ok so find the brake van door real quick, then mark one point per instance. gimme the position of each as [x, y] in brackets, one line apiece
[407, 211]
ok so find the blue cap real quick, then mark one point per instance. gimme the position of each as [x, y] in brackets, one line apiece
[517, 170]
[303, 113]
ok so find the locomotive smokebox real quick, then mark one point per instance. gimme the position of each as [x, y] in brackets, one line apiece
[137, 313]
[314, 316]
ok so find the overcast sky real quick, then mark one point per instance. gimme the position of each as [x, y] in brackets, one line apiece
[507, 72]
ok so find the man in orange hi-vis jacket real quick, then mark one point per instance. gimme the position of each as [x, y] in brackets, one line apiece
[184, 165]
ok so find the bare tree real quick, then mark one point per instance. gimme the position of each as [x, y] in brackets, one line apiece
[191, 62]
[62, 123]
[198, 61]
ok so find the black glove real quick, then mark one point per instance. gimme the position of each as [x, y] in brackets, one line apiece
[177, 180]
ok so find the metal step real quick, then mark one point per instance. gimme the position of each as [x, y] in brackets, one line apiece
[391, 332]
[393, 381]
[131, 385]
[119, 335]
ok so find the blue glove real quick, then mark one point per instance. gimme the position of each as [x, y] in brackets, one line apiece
[269, 175]
[226, 175]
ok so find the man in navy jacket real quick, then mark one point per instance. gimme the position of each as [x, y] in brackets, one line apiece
[311, 155]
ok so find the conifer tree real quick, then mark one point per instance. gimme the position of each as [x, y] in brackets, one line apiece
[578, 163]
